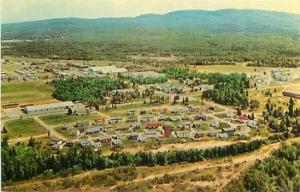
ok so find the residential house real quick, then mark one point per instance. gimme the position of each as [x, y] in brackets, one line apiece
[103, 139]
[222, 135]
[198, 136]
[151, 133]
[241, 133]
[93, 130]
[182, 134]
[153, 125]
[214, 123]
[97, 145]
[116, 142]
[75, 133]
[201, 116]
[229, 131]
[251, 124]
[134, 136]
[115, 120]
[84, 143]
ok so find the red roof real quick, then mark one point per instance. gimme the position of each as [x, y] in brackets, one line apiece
[153, 125]
[243, 117]
[167, 133]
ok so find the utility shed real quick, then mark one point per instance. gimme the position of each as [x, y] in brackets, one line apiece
[47, 108]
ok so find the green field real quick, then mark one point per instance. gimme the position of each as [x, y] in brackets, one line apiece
[58, 119]
[25, 128]
[25, 92]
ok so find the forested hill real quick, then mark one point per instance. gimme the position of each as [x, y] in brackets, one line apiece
[262, 38]
[224, 21]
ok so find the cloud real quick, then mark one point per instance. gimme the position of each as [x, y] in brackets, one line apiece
[24, 10]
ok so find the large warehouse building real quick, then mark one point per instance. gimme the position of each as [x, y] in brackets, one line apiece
[47, 108]
[106, 70]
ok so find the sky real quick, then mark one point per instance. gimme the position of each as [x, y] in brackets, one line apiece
[28, 10]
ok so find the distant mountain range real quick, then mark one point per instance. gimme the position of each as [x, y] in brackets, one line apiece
[220, 21]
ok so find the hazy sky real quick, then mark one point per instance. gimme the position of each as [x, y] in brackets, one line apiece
[26, 10]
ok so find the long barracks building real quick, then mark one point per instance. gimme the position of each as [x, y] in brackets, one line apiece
[48, 108]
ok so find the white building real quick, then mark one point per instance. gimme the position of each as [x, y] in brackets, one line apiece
[182, 134]
[48, 108]
[106, 70]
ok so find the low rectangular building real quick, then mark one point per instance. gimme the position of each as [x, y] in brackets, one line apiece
[47, 108]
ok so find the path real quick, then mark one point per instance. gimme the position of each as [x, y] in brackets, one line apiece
[49, 128]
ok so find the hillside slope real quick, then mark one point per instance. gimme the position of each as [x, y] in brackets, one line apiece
[224, 21]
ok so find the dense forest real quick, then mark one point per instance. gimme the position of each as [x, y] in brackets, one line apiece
[280, 172]
[90, 90]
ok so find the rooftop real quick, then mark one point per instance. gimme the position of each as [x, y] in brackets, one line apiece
[50, 105]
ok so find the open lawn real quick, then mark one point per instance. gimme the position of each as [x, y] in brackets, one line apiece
[25, 128]
[58, 119]
[25, 92]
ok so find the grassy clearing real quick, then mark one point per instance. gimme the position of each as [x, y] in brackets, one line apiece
[57, 119]
[25, 92]
[24, 127]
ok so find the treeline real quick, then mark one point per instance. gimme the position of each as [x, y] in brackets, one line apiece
[280, 172]
[275, 62]
[26, 162]
[229, 89]
[140, 80]
[91, 90]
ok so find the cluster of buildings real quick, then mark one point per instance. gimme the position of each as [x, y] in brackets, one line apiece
[281, 74]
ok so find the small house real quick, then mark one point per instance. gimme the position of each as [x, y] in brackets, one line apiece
[142, 138]
[116, 142]
[202, 117]
[251, 124]
[242, 133]
[97, 145]
[151, 133]
[93, 130]
[75, 133]
[115, 120]
[153, 125]
[198, 136]
[229, 131]
[103, 139]
[84, 143]
[222, 135]
[182, 134]
[133, 136]
[124, 127]
[214, 123]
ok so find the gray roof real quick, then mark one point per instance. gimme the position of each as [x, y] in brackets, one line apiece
[49, 106]
[94, 129]
[108, 69]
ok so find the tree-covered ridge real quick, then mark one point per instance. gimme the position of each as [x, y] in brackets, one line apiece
[198, 37]
[280, 172]
[91, 90]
